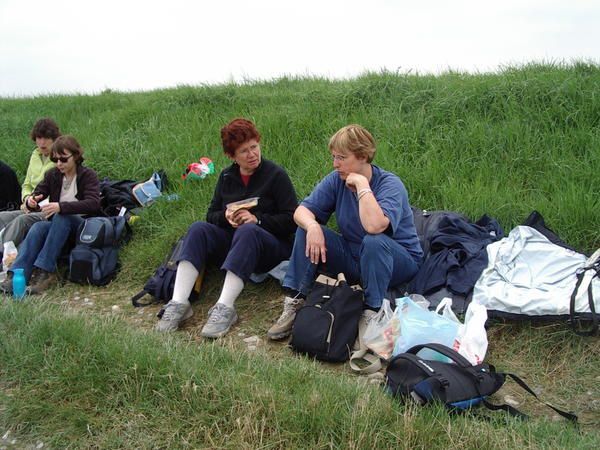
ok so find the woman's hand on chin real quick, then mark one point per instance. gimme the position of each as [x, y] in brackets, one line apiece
[356, 182]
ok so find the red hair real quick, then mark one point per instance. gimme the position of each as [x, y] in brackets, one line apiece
[236, 132]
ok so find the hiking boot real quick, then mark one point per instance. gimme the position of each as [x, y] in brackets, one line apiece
[6, 285]
[220, 319]
[41, 280]
[283, 326]
[173, 315]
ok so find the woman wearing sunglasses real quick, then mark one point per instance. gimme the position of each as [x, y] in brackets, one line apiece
[67, 192]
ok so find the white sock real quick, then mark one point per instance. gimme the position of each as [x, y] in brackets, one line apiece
[232, 287]
[184, 282]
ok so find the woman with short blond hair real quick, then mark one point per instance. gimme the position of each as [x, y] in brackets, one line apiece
[377, 244]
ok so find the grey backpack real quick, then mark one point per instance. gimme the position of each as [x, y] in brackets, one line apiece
[95, 258]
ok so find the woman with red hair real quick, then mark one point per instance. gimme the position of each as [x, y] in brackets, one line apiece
[249, 237]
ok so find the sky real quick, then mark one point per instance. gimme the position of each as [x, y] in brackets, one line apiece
[87, 46]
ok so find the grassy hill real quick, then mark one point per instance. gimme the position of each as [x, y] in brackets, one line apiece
[77, 373]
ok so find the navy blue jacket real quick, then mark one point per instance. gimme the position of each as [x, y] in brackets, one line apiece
[457, 255]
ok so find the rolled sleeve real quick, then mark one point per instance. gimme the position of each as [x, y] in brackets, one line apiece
[322, 200]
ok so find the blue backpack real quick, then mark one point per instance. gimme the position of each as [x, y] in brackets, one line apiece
[95, 258]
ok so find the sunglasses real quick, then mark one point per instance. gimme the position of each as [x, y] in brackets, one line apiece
[62, 159]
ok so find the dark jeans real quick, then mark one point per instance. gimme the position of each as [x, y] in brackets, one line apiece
[381, 263]
[248, 249]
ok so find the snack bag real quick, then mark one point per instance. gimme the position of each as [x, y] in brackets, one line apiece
[247, 203]
[382, 331]
[9, 256]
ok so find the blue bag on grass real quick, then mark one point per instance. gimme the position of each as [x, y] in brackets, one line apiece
[148, 191]
[420, 326]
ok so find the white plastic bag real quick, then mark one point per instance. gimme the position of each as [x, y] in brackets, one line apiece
[471, 339]
[382, 331]
[9, 255]
[445, 306]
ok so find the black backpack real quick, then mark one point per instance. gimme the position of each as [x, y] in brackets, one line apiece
[95, 258]
[115, 195]
[160, 285]
[327, 325]
[458, 385]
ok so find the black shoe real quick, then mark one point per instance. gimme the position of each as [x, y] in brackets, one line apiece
[6, 285]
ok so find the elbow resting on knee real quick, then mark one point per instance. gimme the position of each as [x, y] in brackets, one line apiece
[374, 229]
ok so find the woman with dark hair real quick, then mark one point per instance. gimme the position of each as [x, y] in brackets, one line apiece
[67, 192]
[249, 237]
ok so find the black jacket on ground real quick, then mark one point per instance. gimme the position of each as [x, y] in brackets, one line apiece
[10, 190]
[277, 198]
[457, 255]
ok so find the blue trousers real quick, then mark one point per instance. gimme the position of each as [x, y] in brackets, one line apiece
[379, 264]
[248, 249]
[44, 243]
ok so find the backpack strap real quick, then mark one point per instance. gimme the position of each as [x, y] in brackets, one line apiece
[516, 413]
[135, 300]
[459, 359]
[363, 353]
[504, 407]
[125, 234]
[572, 313]
[374, 362]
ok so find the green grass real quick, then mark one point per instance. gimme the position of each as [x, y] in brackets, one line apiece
[87, 382]
[504, 144]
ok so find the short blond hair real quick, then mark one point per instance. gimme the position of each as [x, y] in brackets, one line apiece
[354, 139]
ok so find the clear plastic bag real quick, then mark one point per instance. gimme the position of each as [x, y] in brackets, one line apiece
[9, 255]
[382, 331]
[247, 203]
[420, 326]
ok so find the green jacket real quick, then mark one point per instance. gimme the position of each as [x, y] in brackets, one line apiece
[38, 166]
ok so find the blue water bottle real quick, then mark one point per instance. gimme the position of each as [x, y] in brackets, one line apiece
[18, 283]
